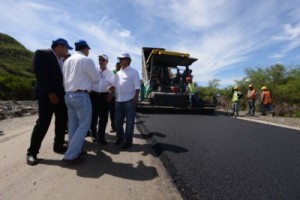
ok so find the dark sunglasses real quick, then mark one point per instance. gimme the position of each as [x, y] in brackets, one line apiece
[102, 60]
[123, 58]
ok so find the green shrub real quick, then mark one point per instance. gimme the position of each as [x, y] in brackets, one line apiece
[16, 88]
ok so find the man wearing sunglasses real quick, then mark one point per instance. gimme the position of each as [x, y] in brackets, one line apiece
[100, 97]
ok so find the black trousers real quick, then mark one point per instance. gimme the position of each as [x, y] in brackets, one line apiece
[45, 111]
[111, 106]
[99, 111]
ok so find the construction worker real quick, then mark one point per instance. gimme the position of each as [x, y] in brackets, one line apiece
[266, 101]
[251, 98]
[236, 96]
[192, 91]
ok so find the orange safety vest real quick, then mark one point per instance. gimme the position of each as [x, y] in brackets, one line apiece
[267, 99]
[251, 94]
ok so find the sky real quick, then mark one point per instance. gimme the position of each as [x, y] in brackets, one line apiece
[227, 36]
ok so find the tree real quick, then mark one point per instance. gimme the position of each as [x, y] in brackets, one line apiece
[283, 83]
[215, 83]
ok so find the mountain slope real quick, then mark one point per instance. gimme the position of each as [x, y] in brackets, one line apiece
[16, 73]
[15, 59]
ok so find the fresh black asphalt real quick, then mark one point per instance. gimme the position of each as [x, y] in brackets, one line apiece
[218, 157]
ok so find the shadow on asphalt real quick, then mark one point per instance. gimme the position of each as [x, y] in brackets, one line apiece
[158, 147]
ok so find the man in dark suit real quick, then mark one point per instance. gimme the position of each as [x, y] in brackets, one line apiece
[49, 92]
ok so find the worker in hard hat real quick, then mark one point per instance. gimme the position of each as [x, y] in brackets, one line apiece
[251, 99]
[266, 101]
[193, 93]
[236, 96]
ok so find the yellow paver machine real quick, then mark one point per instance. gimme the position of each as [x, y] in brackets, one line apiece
[164, 83]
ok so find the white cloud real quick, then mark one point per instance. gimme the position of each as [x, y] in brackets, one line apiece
[124, 33]
[290, 33]
[291, 38]
[190, 13]
[220, 34]
[34, 25]
[38, 6]
[278, 55]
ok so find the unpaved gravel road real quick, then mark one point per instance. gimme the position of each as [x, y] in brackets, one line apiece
[107, 174]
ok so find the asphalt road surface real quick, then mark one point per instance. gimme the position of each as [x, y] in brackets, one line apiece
[218, 157]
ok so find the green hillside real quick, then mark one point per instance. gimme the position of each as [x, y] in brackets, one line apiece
[16, 73]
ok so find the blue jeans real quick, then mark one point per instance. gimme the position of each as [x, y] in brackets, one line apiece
[251, 106]
[125, 110]
[265, 108]
[235, 108]
[196, 102]
[79, 121]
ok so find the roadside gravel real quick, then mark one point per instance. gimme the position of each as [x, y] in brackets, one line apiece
[12, 109]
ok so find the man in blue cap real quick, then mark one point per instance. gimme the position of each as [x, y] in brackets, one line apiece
[79, 73]
[49, 92]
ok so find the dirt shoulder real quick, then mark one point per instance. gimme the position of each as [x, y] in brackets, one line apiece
[108, 173]
[287, 122]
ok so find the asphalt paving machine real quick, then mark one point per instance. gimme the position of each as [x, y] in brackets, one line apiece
[164, 82]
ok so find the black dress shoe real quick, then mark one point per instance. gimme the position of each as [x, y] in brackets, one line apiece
[103, 141]
[94, 139]
[31, 160]
[60, 149]
[112, 130]
[126, 145]
[83, 153]
[93, 136]
[119, 141]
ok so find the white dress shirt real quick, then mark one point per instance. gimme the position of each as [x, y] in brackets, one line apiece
[126, 82]
[106, 80]
[79, 72]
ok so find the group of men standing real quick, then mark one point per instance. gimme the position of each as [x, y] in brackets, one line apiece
[252, 96]
[80, 94]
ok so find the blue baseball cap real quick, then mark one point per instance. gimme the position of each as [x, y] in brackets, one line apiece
[63, 42]
[82, 43]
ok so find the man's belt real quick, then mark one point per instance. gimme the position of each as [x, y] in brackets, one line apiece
[99, 93]
[81, 91]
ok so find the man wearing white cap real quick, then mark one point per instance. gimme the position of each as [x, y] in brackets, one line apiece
[79, 74]
[127, 89]
[99, 98]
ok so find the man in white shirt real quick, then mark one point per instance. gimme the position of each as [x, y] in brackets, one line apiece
[127, 89]
[100, 97]
[79, 73]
